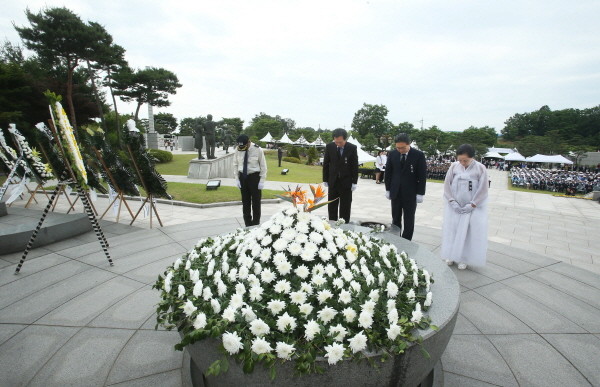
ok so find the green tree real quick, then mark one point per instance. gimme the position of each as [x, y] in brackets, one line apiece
[261, 126]
[369, 142]
[165, 123]
[235, 125]
[59, 36]
[188, 125]
[151, 85]
[371, 119]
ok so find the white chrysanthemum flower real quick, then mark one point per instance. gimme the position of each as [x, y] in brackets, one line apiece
[306, 309]
[168, 279]
[324, 295]
[338, 282]
[350, 256]
[221, 288]
[365, 319]
[284, 350]
[369, 306]
[324, 254]
[400, 279]
[318, 225]
[306, 287]
[288, 234]
[177, 264]
[334, 353]
[355, 286]
[189, 308]
[284, 267]
[283, 286]
[298, 297]
[236, 301]
[232, 342]
[415, 279]
[345, 297]
[330, 270]
[374, 295]
[338, 332]
[194, 275]
[340, 261]
[232, 274]
[332, 248]
[315, 237]
[229, 314]
[280, 245]
[393, 316]
[326, 314]
[428, 299]
[265, 255]
[276, 306]
[358, 342]
[275, 228]
[240, 288]
[370, 279]
[248, 314]
[256, 293]
[243, 273]
[392, 289]
[387, 262]
[302, 271]
[266, 241]
[311, 328]
[207, 294]
[225, 267]
[393, 331]
[197, 291]
[259, 328]
[253, 280]
[302, 227]
[180, 291]
[318, 280]
[257, 268]
[349, 314]
[294, 248]
[287, 222]
[200, 321]
[381, 278]
[214, 303]
[411, 295]
[267, 276]
[188, 264]
[417, 314]
[286, 321]
[260, 346]
[391, 304]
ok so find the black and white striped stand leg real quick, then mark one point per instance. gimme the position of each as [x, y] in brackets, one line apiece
[37, 228]
[95, 224]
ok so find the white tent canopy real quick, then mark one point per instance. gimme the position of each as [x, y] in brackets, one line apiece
[301, 141]
[501, 150]
[285, 140]
[267, 138]
[364, 157]
[493, 155]
[354, 141]
[318, 142]
[516, 156]
[553, 159]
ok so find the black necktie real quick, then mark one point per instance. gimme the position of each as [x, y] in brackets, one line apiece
[245, 170]
[340, 151]
[402, 160]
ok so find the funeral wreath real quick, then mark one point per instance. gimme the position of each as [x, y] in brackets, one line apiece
[296, 289]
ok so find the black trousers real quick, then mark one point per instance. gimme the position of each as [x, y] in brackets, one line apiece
[251, 197]
[344, 203]
[407, 208]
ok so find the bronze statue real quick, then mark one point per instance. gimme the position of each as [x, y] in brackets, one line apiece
[198, 139]
[226, 140]
[209, 132]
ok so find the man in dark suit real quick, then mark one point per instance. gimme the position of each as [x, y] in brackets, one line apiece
[405, 178]
[340, 174]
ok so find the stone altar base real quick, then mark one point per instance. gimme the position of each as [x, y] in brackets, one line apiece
[222, 167]
[3, 210]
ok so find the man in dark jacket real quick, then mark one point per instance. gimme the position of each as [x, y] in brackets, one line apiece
[405, 178]
[340, 174]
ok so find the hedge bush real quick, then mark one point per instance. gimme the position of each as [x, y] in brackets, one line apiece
[160, 156]
[293, 152]
[292, 160]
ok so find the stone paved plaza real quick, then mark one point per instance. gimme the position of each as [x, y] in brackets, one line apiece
[531, 316]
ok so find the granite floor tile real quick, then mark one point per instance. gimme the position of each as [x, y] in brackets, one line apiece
[23, 355]
[4, 263]
[9, 330]
[586, 316]
[475, 357]
[488, 317]
[454, 380]
[464, 326]
[36, 305]
[30, 284]
[537, 316]
[568, 285]
[495, 272]
[470, 279]
[510, 263]
[82, 309]
[131, 312]
[149, 273]
[85, 360]
[163, 379]
[535, 362]
[34, 253]
[7, 274]
[147, 353]
[582, 351]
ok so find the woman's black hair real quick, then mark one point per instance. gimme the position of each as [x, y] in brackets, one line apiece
[466, 149]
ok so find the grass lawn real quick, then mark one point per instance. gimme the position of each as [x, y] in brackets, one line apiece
[197, 193]
[179, 165]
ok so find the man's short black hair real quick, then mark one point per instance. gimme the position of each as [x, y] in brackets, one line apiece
[402, 137]
[339, 133]
[466, 149]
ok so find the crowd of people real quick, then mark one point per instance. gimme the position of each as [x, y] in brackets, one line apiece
[567, 182]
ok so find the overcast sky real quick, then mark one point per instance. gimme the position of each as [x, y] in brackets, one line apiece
[451, 63]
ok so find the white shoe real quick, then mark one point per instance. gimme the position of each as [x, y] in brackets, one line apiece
[449, 262]
[462, 266]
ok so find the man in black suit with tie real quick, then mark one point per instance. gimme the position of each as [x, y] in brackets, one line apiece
[405, 178]
[340, 174]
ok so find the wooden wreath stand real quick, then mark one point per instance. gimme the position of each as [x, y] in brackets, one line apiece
[120, 196]
[149, 198]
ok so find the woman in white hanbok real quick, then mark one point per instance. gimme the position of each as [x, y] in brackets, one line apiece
[464, 231]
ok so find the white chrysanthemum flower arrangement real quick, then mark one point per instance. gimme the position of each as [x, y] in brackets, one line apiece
[70, 143]
[295, 289]
[43, 171]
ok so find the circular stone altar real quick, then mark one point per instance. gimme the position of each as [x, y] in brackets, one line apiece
[411, 368]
